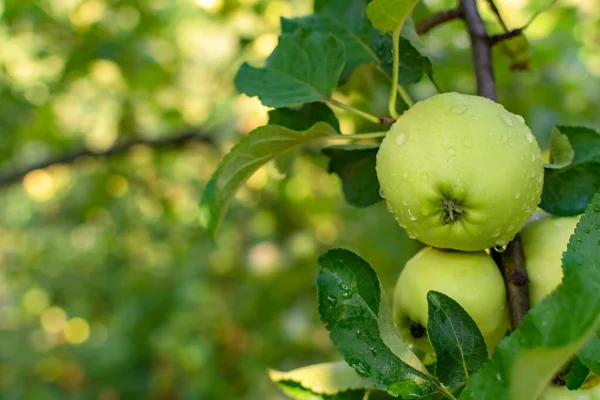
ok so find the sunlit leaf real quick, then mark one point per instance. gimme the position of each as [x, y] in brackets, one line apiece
[561, 152]
[304, 67]
[388, 15]
[250, 153]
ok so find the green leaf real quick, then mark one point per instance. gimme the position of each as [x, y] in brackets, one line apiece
[577, 375]
[561, 152]
[459, 345]
[589, 355]
[354, 310]
[568, 190]
[347, 20]
[302, 118]
[583, 250]
[297, 392]
[355, 38]
[355, 166]
[389, 15]
[554, 330]
[412, 64]
[304, 67]
[327, 379]
[249, 154]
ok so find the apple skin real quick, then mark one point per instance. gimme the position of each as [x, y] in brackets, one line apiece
[471, 279]
[562, 393]
[460, 172]
[544, 242]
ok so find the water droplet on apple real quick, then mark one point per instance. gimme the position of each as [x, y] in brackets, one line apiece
[496, 233]
[411, 215]
[401, 138]
[517, 195]
[460, 108]
[381, 193]
[451, 151]
[500, 248]
[424, 176]
[405, 174]
[520, 119]
[504, 137]
[506, 119]
[468, 143]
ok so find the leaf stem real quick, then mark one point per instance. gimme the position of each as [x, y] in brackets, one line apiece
[405, 96]
[371, 135]
[353, 110]
[395, 71]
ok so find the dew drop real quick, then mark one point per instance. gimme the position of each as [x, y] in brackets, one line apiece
[358, 331]
[468, 143]
[587, 230]
[529, 136]
[424, 176]
[346, 295]
[451, 151]
[496, 233]
[504, 137]
[596, 209]
[411, 215]
[517, 195]
[405, 174]
[520, 119]
[411, 235]
[506, 119]
[381, 193]
[500, 248]
[460, 108]
[401, 138]
[343, 286]
[498, 377]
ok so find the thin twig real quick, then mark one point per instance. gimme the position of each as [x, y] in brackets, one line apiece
[436, 19]
[482, 52]
[512, 265]
[508, 34]
[68, 158]
[496, 12]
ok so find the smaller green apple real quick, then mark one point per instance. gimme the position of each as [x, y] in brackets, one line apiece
[471, 279]
[544, 242]
[554, 392]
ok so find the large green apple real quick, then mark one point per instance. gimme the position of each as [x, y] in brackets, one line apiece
[544, 242]
[471, 279]
[554, 392]
[460, 172]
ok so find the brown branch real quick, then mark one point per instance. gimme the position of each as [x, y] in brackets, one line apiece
[482, 50]
[512, 265]
[68, 158]
[436, 19]
[495, 39]
[512, 261]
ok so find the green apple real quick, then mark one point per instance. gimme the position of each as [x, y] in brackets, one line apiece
[544, 242]
[554, 392]
[460, 172]
[471, 279]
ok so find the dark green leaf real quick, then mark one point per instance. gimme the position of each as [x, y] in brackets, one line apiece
[577, 375]
[583, 250]
[355, 166]
[459, 346]
[569, 189]
[388, 15]
[305, 67]
[355, 38]
[249, 154]
[302, 118]
[412, 63]
[354, 310]
[589, 355]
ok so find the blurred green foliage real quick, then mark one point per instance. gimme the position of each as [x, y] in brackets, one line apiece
[109, 289]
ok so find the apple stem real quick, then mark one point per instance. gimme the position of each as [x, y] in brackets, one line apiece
[365, 115]
[395, 71]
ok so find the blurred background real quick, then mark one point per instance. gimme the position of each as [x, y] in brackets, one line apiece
[109, 288]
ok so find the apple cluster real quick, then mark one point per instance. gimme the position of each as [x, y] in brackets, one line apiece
[462, 174]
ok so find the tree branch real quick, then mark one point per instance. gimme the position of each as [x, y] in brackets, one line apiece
[495, 39]
[512, 265]
[482, 50]
[436, 19]
[511, 262]
[68, 158]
